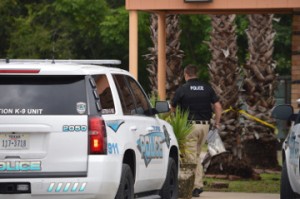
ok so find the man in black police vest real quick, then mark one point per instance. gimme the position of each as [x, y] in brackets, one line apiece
[200, 100]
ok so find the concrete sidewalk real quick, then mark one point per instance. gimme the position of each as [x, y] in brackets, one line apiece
[233, 195]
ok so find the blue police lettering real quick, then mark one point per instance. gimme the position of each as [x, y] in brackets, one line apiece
[150, 146]
[156, 128]
[113, 148]
[20, 166]
[74, 128]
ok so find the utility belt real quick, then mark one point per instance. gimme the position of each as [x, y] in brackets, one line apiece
[205, 122]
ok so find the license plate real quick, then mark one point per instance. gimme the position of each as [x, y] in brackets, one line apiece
[14, 141]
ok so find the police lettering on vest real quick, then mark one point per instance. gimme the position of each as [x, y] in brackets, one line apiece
[197, 88]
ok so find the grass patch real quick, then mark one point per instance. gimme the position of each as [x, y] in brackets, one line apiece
[269, 183]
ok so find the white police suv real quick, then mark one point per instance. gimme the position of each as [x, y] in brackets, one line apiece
[290, 175]
[76, 130]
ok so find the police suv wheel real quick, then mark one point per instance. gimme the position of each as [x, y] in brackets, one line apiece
[170, 188]
[286, 191]
[125, 190]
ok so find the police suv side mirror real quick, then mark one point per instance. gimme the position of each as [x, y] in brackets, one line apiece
[162, 107]
[283, 112]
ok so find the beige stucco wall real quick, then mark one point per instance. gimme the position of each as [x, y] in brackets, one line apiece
[236, 5]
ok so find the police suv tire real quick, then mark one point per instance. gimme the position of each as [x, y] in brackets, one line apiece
[286, 191]
[126, 187]
[170, 187]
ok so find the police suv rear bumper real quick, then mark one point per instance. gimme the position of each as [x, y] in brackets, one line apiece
[102, 181]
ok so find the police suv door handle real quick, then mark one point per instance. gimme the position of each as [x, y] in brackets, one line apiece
[133, 128]
[150, 129]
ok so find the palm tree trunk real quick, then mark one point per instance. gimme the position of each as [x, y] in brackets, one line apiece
[224, 76]
[173, 53]
[260, 82]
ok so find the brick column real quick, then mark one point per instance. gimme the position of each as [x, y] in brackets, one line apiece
[295, 70]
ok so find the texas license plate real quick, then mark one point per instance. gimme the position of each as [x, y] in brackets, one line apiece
[14, 141]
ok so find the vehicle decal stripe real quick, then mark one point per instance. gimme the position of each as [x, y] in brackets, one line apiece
[75, 187]
[82, 188]
[58, 188]
[115, 124]
[65, 187]
[51, 187]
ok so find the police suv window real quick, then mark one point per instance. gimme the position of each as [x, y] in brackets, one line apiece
[133, 99]
[142, 104]
[105, 94]
[126, 97]
[42, 95]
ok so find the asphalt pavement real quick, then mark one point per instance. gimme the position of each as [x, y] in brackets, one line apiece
[229, 195]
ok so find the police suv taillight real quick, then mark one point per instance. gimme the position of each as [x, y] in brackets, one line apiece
[97, 135]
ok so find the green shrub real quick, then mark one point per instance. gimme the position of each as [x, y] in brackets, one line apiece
[182, 128]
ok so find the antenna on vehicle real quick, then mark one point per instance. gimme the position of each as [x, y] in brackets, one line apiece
[53, 49]
[53, 62]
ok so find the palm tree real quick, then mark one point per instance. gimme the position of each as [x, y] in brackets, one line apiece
[259, 84]
[173, 54]
[224, 76]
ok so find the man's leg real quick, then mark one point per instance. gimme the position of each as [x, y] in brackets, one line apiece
[191, 145]
[198, 184]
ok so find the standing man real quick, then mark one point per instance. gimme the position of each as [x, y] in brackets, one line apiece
[200, 100]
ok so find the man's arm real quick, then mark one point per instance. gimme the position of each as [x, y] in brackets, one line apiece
[218, 112]
[174, 102]
[173, 109]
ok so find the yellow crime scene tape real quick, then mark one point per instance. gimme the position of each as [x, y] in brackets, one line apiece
[243, 112]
